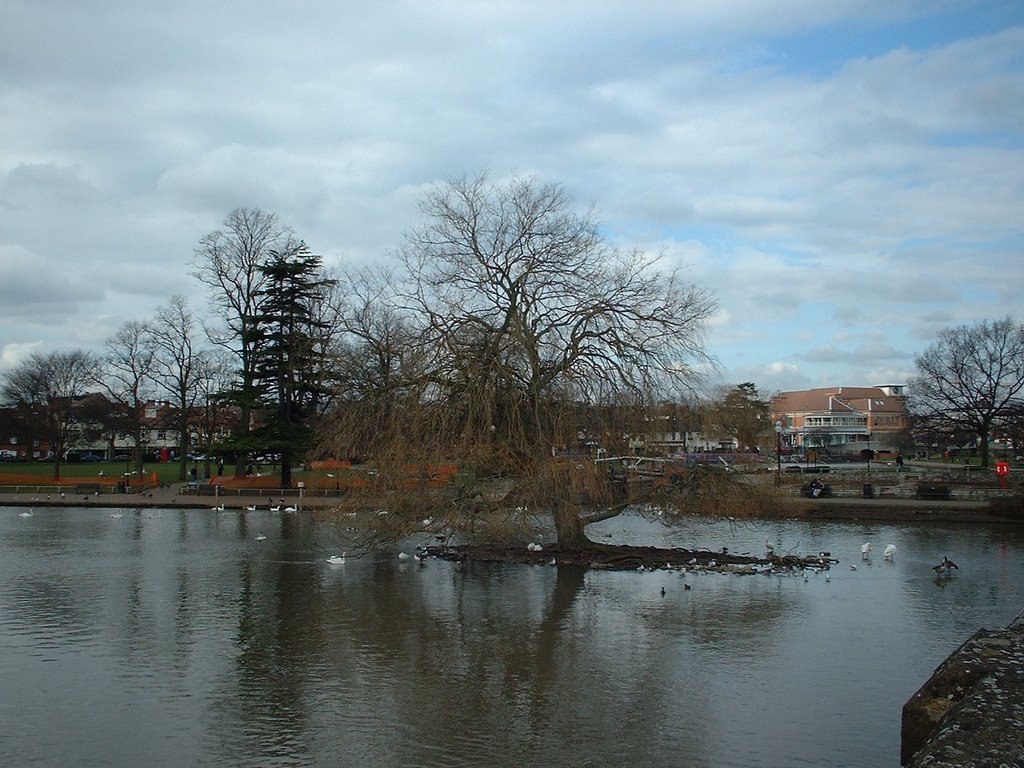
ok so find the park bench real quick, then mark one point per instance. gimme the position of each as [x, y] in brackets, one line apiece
[807, 491]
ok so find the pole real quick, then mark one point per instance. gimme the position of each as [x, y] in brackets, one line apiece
[778, 452]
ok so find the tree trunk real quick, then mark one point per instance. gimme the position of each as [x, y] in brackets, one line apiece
[569, 530]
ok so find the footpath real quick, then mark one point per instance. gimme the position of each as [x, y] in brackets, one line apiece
[177, 495]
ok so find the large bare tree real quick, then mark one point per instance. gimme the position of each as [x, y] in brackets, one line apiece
[228, 262]
[46, 388]
[970, 380]
[176, 367]
[528, 314]
[128, 379]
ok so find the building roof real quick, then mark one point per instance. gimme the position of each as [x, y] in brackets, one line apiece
[832, 399]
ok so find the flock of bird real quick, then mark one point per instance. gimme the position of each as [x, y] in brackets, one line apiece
[945, 567]
[252, 507]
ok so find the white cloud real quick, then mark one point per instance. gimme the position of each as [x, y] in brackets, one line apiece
[830, 172]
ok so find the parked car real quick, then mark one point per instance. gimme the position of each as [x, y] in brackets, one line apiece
[91, 458]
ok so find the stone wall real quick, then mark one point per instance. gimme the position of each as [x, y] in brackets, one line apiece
[971, 710]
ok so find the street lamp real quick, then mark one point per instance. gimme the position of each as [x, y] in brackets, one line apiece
[778, 451]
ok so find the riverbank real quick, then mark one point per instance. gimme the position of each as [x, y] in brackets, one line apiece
[183, 496]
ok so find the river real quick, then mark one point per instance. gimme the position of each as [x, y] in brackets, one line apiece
[176, 638]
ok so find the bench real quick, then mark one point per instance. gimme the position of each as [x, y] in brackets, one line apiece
[87, 488]
[933, 492]
[807, 491]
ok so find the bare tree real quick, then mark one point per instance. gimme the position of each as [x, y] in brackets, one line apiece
[379, 368]
[176, 367]
[527, 313]
[970, 381]
[45, 388]
[228, 262]
[128, 379]
[215, 375]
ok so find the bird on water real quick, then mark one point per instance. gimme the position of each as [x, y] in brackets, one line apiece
[945, 566]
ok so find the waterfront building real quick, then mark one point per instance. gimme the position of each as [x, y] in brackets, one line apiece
[841, 420]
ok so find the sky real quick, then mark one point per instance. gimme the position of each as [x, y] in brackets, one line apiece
[845, 178]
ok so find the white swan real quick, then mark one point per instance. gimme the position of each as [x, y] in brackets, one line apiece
[261, 537]
[889, 552]
[218, 508]
[251, 508]
[337, 559]
[290, 509]
[276, 509]
[865, 550]
[24, 514]
[403, 555]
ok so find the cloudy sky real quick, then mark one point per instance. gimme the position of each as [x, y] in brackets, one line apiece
[846, 177]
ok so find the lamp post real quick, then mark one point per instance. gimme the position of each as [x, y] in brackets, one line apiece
[778, 451]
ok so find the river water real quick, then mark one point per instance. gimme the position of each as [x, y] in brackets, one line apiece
[175, 638]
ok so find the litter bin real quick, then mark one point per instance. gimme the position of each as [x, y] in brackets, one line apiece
[869, 492]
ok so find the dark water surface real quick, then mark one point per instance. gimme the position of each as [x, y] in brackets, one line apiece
[174, 638]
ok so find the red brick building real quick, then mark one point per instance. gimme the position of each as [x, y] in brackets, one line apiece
[841, 420]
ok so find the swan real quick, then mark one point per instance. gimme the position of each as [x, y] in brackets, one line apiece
[337, 559]
[276, 508]
[403, 556]
[889, 552]
[290, 509]
[261, 537]
[251, 508]
[218, 508]
[24, 514]
[865, 550]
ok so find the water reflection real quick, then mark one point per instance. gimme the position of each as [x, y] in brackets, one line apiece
[175, 638]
